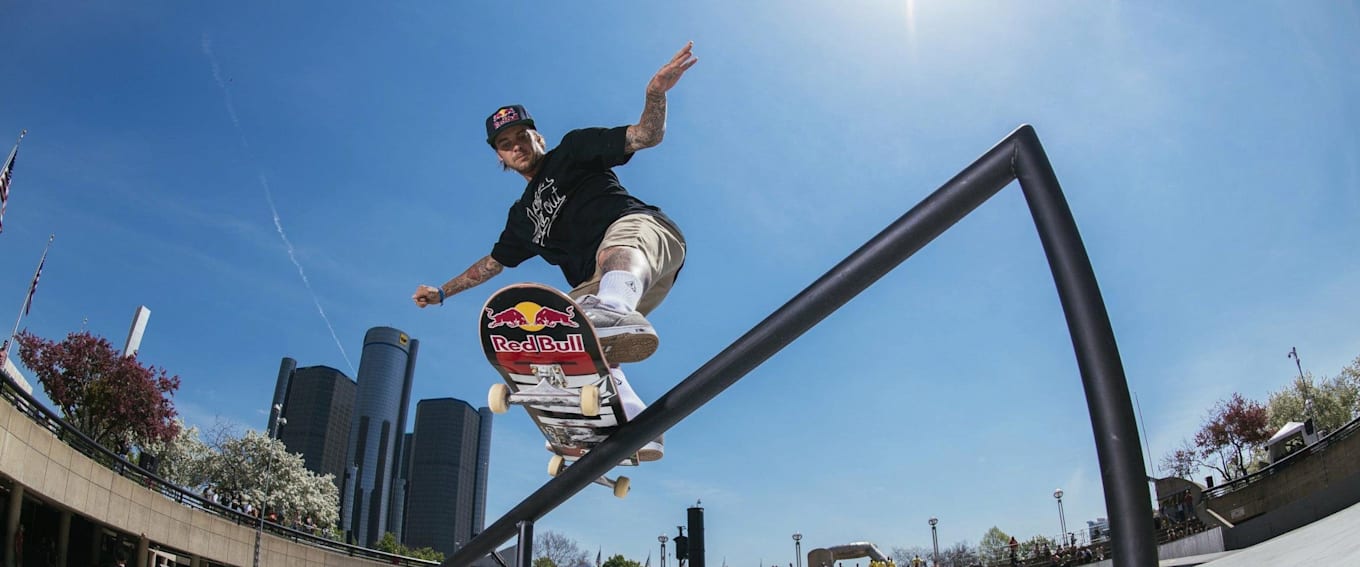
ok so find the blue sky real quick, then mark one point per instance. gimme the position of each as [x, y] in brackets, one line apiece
[201, 160]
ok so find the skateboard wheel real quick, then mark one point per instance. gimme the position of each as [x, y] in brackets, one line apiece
[621, 487]
[555, 465]
[499, 398]
[590, 400]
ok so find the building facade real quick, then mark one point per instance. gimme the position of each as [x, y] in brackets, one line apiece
[446, 495]
[386, 372]
[318, 403]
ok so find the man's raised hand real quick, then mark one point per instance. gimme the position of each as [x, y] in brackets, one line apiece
[670, 73]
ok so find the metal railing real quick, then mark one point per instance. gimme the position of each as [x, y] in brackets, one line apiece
[1019, 157]
[74, 438]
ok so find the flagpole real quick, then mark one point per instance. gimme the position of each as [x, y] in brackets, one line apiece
[9, 159]
[28, 299]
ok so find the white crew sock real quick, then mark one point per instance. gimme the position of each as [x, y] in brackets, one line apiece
[632, 404]
[620, 289]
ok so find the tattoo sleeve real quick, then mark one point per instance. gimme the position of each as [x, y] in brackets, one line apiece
[476, 274]
[651, 127]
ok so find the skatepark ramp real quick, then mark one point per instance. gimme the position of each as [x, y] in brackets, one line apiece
[828, 556]
[1018, 157]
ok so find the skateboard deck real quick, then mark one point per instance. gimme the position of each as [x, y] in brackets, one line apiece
[547, 351]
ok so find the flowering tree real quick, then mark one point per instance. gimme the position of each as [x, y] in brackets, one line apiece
[257, 470]
[183, 459]
[113, 399]
[994, 548]
[1232, 430]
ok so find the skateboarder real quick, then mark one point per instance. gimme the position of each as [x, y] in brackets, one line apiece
[619, 254]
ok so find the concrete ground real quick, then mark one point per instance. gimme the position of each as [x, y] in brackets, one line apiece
[1334, 540]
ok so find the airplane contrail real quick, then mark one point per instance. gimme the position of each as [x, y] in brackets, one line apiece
[269, 198]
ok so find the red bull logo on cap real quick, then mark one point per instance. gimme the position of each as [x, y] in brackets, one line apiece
[504, 116]
[530, 316]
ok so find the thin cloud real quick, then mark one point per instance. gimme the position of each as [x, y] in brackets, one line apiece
[269, 198]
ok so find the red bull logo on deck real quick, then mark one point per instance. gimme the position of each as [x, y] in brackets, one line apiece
[530, 316]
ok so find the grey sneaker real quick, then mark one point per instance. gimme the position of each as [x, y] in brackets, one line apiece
[626, 336]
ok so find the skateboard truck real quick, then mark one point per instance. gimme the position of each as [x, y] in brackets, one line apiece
[620, 485]
[550, 390]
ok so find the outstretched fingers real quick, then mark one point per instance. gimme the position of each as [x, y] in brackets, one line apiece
[670, 73]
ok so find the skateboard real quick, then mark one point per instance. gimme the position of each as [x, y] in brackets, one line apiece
[547, 351]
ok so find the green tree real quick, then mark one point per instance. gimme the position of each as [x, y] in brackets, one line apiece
[425, 553]
[113, 399]
[994, 546]
[544, 562]
[389, 544]
[619, 561]
[1031, 547]
[1331, 402]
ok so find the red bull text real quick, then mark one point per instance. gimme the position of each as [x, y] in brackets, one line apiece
[538, 344]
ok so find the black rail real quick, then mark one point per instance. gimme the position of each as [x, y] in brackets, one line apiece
[1018, 157]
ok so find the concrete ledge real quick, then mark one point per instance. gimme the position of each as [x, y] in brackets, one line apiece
[33, 457]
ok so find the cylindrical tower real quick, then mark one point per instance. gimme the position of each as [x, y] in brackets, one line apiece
[384, 385]
[696, 536]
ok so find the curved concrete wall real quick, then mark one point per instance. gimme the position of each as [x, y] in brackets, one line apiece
[33, 457]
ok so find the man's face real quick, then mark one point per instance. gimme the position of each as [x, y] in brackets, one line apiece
[519, 149]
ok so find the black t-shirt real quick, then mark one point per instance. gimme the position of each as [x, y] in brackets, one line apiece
[566, 208]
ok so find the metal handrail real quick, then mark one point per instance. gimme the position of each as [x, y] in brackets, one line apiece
[1018, 157]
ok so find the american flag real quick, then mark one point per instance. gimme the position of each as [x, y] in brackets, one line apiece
[33, 287]
[5, 175]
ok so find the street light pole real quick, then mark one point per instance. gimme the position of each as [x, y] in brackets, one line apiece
[662, 538]
[935, 541]
[798, 548]
[259, 527]
[1062, 521]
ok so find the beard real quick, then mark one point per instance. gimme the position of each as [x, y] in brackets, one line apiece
[530, 166]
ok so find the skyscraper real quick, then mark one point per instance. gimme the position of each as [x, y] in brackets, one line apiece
[446, 498]
[317, 402]
[386, 371]
[396, 510]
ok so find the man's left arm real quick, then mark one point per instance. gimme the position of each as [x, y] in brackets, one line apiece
[651, 127]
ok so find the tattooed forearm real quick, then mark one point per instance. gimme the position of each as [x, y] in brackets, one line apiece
[651, 127]
[475, 275]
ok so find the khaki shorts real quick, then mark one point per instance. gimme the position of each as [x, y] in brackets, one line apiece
[663, 247]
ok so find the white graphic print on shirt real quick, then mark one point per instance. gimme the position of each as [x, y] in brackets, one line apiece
[544, 210]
